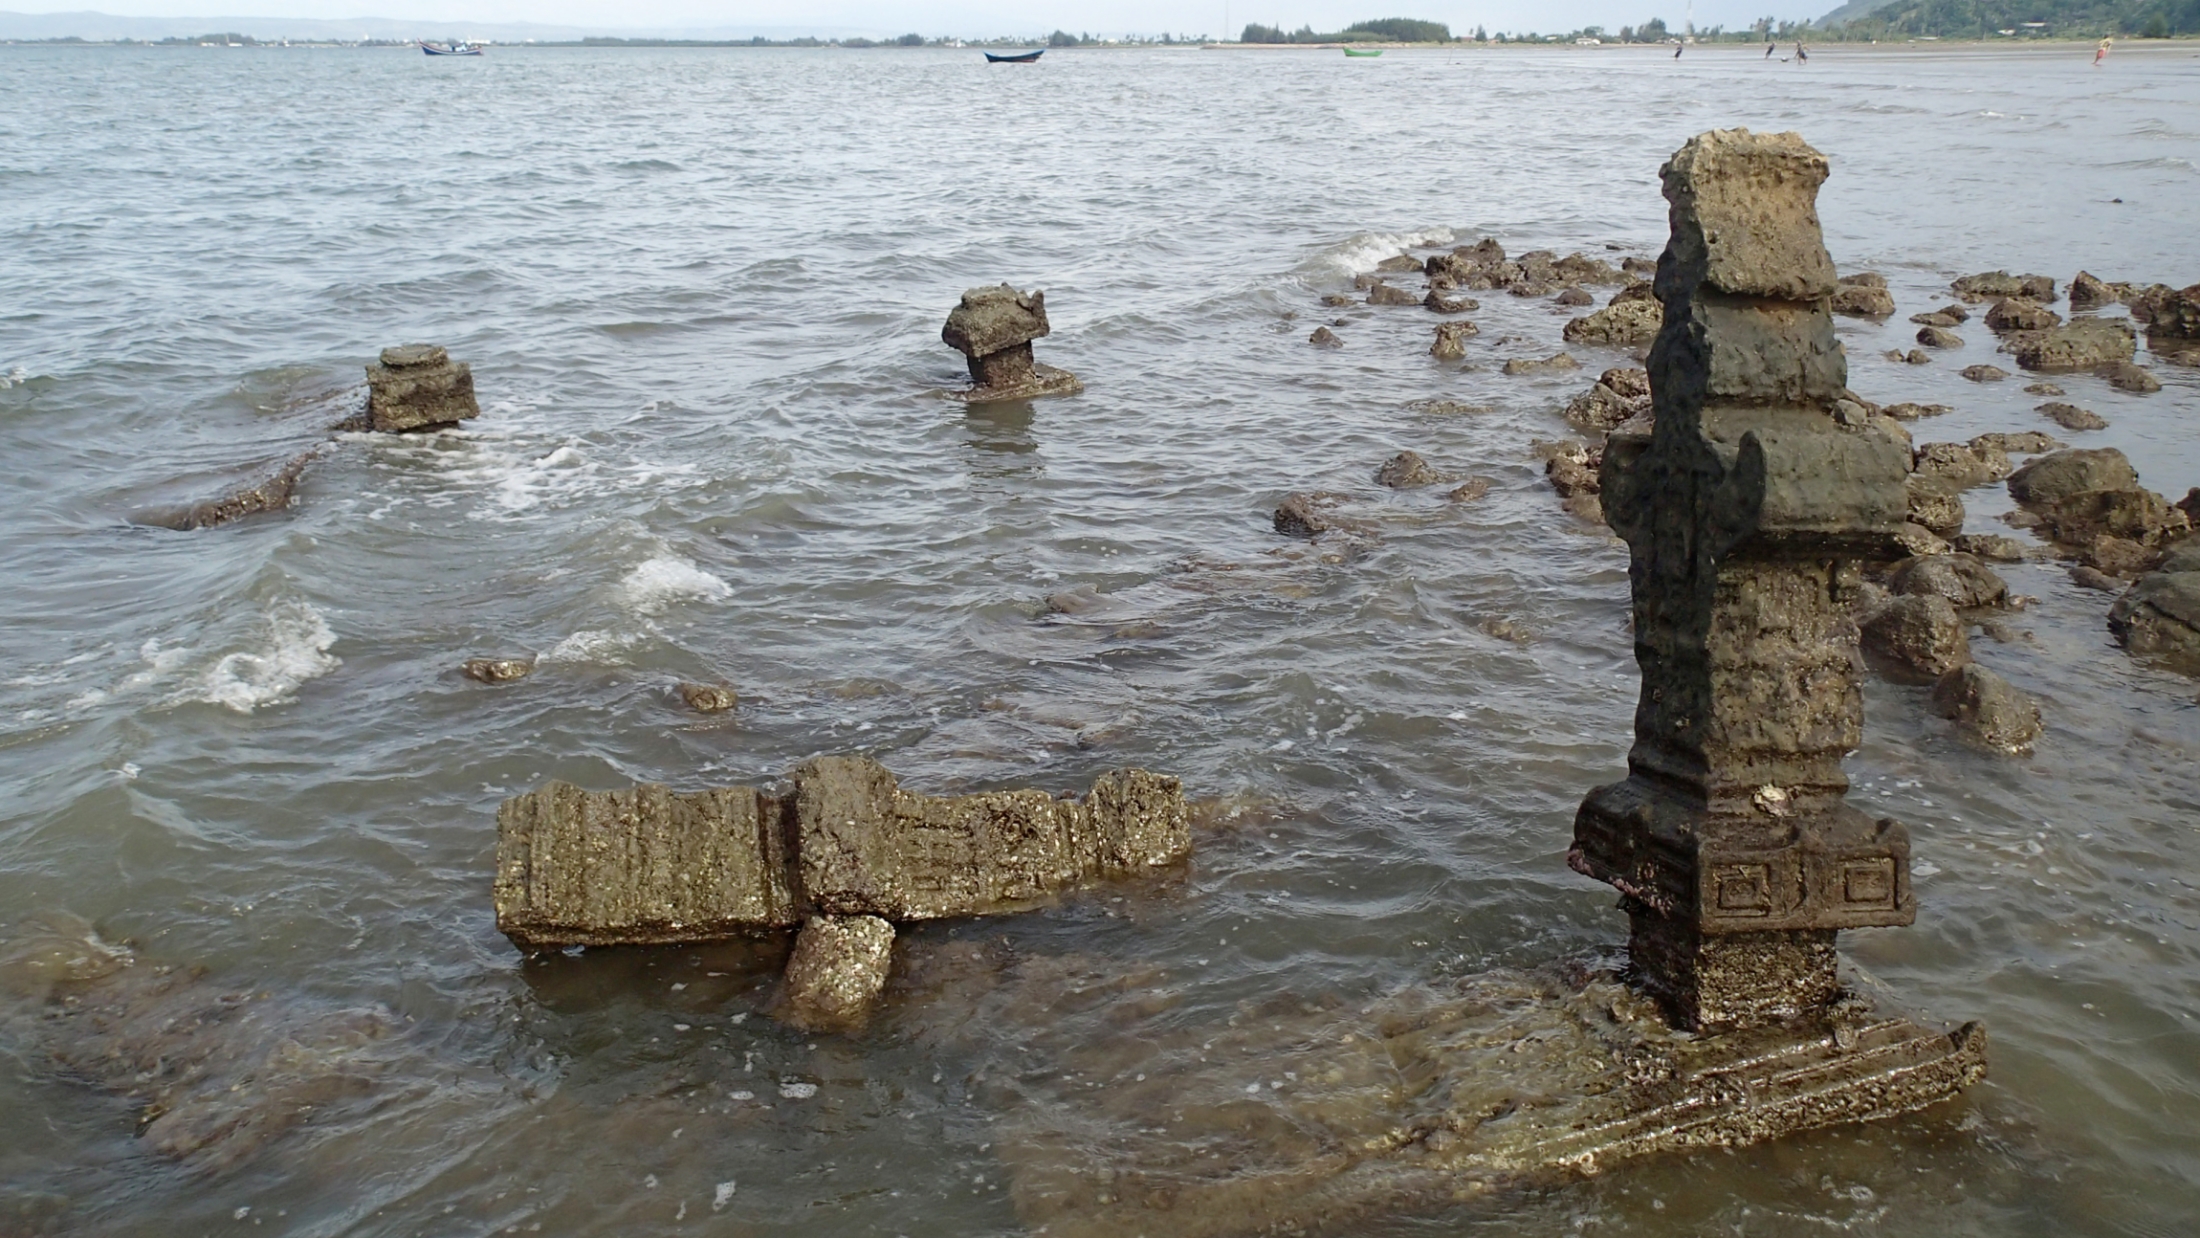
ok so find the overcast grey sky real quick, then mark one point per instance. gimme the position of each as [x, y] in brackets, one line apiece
[981, 17]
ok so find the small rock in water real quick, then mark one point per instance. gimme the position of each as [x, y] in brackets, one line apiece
[1863, 300]
[1441, 304]
[1337, 300]
[2126, 376]
[1573, 296]
[1541, 365]
[2021, 443]
[1391, 294]
[498, 670]
[1918, 356]
[1985, 373]
[1911, 412]
[1618, 325]
[1399, 265]
[2094, 578]
[1451, 340]
[1967, 583]
[708, 698]
[1406, 470]
[1992, 547]
[1323, 337]
[1473, 490]
[1935, 320]
[2043, 389]
[1917, 639]
[1938, 337]
[1988, 706]
[2071, 417]
[835, 976]
[2018, 314]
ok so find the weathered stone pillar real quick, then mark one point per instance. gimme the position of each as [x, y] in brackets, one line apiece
[1729, 838]
[993, 329]
[419, 387]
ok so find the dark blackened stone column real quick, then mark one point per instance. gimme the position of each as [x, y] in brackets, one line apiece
[1737, 857]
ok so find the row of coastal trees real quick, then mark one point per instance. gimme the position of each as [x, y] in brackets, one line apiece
[1380, 30]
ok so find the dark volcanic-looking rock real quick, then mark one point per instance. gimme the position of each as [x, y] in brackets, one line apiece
[1405, 471]
[497, 670]
[1307, 515]
[1618, 396]
[2071, 417]
[2088, 293]
[708, 698]
[1962, 465]
[1438, 303]
[2174, 318]
[1988, 706]
[2018, 314]
[1572, 296]
[1863, 301]
[1623, 324]
[2125, 376]
[1935, 504]
[1451, 340]
[2159, 618]
[1967, 583]
[419, 387]
[1540, 365]
[2079, 345]
[2050, 478]
[1917, 638]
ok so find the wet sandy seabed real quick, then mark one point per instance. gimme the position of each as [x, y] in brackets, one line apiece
[701, 292]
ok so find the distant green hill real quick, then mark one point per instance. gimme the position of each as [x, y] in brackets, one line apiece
[1982, 19]
[1380, 30]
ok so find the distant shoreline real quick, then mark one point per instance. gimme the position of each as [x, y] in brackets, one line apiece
[2124, 45]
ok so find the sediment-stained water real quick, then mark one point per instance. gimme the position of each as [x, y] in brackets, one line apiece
[251, 982]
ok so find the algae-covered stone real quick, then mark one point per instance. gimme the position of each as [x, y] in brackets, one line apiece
[641, 865]
[870, 848]
[2079, 345]
[836, 973]
[1987, 705]
[1621, 325]
[419, 387]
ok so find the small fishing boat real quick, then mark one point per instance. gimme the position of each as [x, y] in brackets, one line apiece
[1363, 51]
[456, 47]
[1022, 58]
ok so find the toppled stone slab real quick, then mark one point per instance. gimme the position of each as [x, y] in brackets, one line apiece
[993, 329]
[419, 387]
[647, 865]
[1321, 1119]
[272, 491]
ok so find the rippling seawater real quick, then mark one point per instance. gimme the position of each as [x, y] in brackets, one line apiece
[701, 292]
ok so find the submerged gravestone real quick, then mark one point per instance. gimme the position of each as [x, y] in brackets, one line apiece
[419, 387]
[993, 328]
[1730, 840]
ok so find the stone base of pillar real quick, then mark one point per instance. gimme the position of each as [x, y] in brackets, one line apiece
[1720, 981]
[1425, 1099]
[1040, 380]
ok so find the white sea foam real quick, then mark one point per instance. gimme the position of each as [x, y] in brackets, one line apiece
[14, 377]
[659, 581]
[1360, 254]
[293, 647]
[594, 646]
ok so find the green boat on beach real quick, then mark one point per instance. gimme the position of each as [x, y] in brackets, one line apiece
[1363, 51]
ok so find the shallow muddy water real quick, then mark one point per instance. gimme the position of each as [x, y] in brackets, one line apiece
[701, 292]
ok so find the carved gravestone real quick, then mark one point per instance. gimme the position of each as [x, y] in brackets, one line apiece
[993, 328]
[1738, 859]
